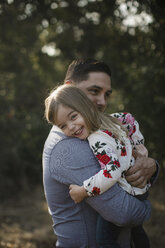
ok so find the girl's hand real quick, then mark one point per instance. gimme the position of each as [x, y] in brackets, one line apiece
[77, 193]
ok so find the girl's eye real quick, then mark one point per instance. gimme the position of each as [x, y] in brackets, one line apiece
[73, 117]
[63, 127]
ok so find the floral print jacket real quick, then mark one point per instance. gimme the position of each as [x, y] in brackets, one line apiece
[115, 157]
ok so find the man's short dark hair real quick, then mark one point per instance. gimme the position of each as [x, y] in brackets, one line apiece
[79, 69]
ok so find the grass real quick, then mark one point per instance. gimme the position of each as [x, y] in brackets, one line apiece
[25, 222]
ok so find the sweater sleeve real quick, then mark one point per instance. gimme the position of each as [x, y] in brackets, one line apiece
[71, 162]
[105, 151]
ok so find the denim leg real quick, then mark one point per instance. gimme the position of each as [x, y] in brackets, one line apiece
[106, 234]
[139, 237]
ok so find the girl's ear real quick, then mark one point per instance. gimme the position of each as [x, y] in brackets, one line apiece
[68, 82]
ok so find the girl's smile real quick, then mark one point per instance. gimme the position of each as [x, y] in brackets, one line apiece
[71, 122]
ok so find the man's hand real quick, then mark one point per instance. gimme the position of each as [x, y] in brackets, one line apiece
[141, 172]
[77, 193]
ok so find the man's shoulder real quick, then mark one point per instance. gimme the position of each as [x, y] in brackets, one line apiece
[68, 155]
[55, 135]
[59, 141]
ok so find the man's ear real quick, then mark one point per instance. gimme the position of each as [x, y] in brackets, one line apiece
[68, 82]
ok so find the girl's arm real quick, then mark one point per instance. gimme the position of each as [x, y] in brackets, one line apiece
[104, 148]
[77, 193]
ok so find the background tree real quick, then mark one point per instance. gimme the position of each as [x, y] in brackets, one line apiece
[38, 39]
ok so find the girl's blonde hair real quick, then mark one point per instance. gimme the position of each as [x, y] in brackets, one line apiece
[74, 98]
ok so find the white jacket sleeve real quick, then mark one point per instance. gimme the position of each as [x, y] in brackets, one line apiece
[105, 150]
[135, 135]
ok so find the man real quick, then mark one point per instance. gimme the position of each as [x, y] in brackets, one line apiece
[94, 78]
[70, 161]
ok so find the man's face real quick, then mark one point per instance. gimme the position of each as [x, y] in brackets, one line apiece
[98, 88]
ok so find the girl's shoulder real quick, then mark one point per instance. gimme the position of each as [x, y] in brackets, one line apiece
[128, 121]
[101, 135]
[124, 117]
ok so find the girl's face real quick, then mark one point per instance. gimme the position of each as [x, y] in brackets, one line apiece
[71, 122]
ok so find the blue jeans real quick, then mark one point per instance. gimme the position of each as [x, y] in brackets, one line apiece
[139, 237]
[107, 233]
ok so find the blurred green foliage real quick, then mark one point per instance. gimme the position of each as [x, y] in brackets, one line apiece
[38, 40]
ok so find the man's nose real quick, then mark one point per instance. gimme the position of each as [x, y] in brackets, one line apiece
[101, 102]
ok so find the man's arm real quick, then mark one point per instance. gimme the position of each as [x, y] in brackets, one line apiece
[73, 161]
[120, 208]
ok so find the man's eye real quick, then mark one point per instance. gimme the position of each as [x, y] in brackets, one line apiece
[108, 94]
[94, 92]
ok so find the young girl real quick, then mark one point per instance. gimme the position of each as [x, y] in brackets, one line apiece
[113, 139]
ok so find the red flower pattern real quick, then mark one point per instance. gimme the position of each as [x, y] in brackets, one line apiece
[107, 174]
[109, 133]
[123, 151]
[103, 158]
[116, 162]
[96, 191]
[134, 129]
